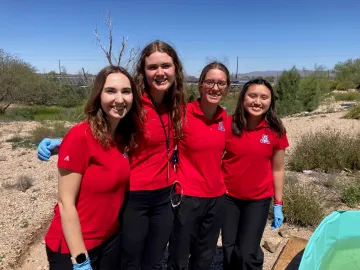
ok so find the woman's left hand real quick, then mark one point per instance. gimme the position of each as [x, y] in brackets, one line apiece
[278, 216]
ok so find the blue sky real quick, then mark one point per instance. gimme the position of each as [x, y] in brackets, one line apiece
[264, 34]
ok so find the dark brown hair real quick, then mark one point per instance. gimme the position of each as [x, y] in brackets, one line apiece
[176, 95]
[214, 65]
[128, 127]
[239, 120]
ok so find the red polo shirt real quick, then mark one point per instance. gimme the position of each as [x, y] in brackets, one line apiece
[200, 152]
[247, 163]
[105, 178]
[150, 163]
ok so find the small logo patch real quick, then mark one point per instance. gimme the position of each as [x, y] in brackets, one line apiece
[67, 158]
[126, 155]
[265, 139]
[221, 126]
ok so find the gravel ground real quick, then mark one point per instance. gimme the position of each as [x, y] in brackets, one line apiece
[25, 215]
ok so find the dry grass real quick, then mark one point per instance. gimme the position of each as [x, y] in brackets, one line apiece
[22, 183]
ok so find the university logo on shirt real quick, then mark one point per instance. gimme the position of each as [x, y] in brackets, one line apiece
[265, 139]
[221, 126]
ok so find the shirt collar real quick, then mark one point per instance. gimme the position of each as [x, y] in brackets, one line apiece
[146, 100]
[219, 114]
[262, 124]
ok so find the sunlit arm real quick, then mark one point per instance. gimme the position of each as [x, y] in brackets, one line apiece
[278, 168]
[69, 185]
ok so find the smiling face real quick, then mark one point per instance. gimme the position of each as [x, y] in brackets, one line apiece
[159, 71]
[214, 86]
[116, 97]
[257, 100]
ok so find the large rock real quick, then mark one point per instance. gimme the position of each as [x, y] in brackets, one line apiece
[272, 244]
[286, 233]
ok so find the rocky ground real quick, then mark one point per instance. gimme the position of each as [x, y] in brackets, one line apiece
[25, 215]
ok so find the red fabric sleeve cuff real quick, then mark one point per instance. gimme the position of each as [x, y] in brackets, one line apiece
[278, 202]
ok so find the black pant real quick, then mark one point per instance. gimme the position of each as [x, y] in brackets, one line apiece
[196, 232]
[243, 226]
[146, 225]
[103, 257]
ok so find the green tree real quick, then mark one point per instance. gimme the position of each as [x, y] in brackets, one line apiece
[347, 74]
[313, 88]
[16, 80]
[52, 73]
[287, 91]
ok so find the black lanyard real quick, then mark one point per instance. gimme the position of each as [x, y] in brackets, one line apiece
[167, 136]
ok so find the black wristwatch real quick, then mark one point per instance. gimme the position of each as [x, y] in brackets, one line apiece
[79, 258]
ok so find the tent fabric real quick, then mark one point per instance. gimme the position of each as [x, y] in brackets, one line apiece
[339, 225]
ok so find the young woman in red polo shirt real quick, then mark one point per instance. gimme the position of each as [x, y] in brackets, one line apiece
[199, 215]
[147, 219]
[253, 169]
[94, 174]
[147, 216]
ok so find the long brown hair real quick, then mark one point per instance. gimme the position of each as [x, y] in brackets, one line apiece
[176, 95]
[128, 127]
[239, 120]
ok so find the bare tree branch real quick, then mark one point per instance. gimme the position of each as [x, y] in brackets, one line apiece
[133, 53]
[84, 73]
[108, 56]
[109, 24]
[9, 102]
[123, 45]
[3, 109]
[108, 53]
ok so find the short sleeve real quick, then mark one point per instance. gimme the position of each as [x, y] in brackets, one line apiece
[74, 152]
[282, 142]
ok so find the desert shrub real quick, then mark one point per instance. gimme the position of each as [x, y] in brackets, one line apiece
[354, 113]
[15, 139]
[312, 89]
[56, 130]
[286, 92]
[192, 92]
[347, 74]
[23, 183]
[350, 193]
[347, 96]
[326, 151]
[70, 96]
[38, 113]
[294, 93]
[302, 204]
[345, 85]
[229, 102]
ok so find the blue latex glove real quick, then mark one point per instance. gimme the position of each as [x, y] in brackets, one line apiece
[46, 146]
[83, 266]
[278, 216]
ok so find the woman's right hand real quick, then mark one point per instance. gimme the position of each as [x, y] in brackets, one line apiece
[45, 148]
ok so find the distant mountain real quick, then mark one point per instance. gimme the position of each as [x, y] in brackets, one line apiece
[261, 73]
[267, 73]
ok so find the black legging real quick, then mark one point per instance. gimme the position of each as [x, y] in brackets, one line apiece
[146, 225]
[243, 226]
[196, 232]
